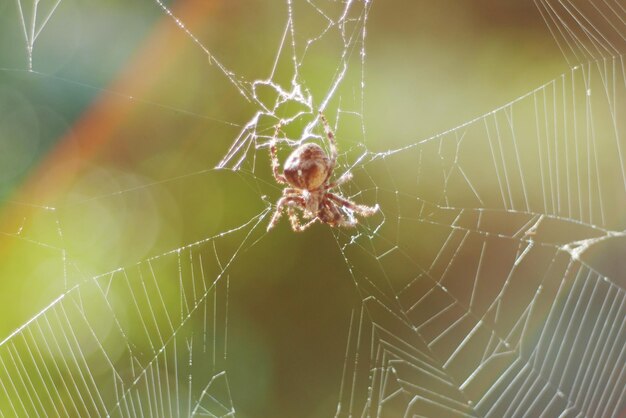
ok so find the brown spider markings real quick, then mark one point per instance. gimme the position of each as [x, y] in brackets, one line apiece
[308, 171]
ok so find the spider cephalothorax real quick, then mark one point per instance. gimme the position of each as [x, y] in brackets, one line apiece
[308, 171]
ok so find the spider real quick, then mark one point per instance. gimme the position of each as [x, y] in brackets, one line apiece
[307, 172]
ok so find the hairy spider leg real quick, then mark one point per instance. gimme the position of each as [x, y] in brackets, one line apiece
[359, 209]
[333, 145]
[289, 201]
[333, 216]
[295, 221]
[280, 178]
[345, 177]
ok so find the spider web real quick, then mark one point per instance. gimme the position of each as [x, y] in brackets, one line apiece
[488, 286]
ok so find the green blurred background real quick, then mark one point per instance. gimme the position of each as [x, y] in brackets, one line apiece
[123, 100]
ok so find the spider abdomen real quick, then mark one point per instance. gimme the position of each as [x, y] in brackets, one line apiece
[307, 167]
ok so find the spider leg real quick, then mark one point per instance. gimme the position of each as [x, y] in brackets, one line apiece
[331, 214]
[358, 209]
[290, 202]
[280, 178]
[295, 221]
[331, 139]
[345, 177]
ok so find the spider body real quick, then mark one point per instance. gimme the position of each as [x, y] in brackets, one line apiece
[308, 167]
[307, 172]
